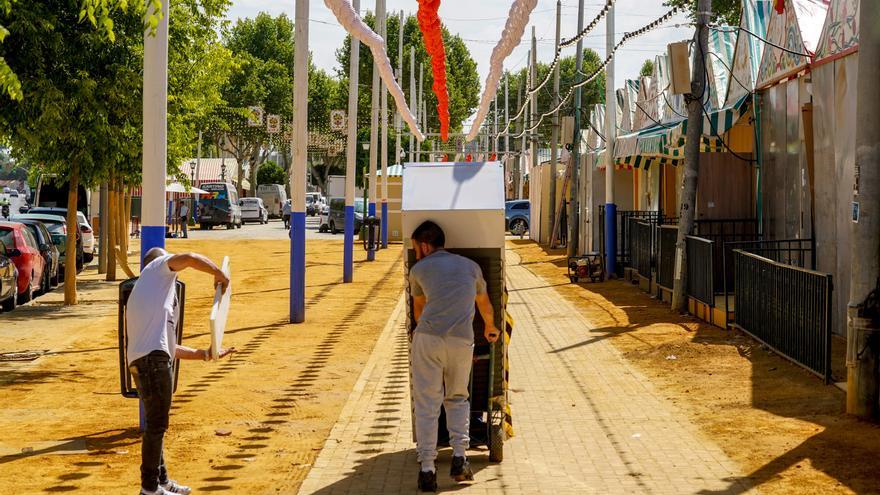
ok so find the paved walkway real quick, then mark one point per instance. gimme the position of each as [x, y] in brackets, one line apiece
[586, 421]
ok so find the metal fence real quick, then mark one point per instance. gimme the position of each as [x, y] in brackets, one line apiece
[624, 235]
[722, 232]
[701, 269]
[641, 245]
[666, 238]
[786, 307]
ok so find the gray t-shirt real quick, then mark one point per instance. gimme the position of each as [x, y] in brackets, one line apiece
[450, 284]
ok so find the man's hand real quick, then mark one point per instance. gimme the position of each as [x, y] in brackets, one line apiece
[223, 352]
[221, 280]
[491, 333]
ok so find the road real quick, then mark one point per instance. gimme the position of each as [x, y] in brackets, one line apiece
[273, 230]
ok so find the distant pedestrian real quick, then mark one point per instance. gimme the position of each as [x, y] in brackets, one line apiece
[151, 319]
[285, 214]
[184, 220]
[444, 287]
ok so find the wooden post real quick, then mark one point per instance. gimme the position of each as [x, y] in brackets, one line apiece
[72, 233]
[111, 229]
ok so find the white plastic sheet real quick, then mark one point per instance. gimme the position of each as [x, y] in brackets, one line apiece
[220, 312]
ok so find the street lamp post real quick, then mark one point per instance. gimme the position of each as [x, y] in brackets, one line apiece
[222, 158]
[192, 183]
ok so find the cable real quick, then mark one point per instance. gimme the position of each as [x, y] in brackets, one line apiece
[807, 55]
[732, 75]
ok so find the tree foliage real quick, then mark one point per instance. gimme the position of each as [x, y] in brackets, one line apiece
[723, 11]
[647, 68]
[271, 173]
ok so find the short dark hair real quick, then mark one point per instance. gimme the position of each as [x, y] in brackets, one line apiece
[430, 233]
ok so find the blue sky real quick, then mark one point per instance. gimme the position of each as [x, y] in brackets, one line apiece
[480, 22]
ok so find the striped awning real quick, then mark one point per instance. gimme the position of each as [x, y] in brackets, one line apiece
[393, 171]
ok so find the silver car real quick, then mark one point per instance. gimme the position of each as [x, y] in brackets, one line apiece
[253, 210]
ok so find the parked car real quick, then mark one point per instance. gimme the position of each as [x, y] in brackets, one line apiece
[517, 216]
[25, 253]
[336, 215]
[48, 249]
[253, 210]
[57, 227]
[312, 206]
[324, 219]
[85, 229]
[8, 280]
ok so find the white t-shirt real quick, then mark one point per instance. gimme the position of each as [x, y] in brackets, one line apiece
[152, 311]
[184, 210]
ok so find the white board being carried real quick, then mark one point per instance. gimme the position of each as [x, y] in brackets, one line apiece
[220, 311]
[465, 199]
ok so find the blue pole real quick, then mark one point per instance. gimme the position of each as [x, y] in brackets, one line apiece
[297, 267]
[351, 156]
[610, 238]
[298, 170]
[348, 251]
[384, 225]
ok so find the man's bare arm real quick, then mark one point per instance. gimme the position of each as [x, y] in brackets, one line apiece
[180, 262]
[418, 306]
[184, 352]
[484, 305]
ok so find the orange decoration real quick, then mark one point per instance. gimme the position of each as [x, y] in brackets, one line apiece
[432, 33]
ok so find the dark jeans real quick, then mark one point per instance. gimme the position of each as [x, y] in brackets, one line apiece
[154, 376]
[184, 226]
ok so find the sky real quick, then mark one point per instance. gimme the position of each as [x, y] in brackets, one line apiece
[480, 23]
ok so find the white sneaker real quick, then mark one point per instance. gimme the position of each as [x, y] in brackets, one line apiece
[172, 487]
[159, 491]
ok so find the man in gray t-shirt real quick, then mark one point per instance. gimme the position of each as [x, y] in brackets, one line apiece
[444, 288]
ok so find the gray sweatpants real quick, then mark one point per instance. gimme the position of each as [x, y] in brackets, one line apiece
[441, 371]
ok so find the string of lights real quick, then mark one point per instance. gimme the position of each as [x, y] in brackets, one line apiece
[592, 77]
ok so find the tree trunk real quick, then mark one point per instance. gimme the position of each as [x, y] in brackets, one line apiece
[691, 158]
[111, 230]
[127, 228]
[72, 234]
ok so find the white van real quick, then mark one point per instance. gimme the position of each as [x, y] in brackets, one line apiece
[273, 196]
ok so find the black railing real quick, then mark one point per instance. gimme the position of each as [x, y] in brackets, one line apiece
[786, 307]
[794, 252]
[641, 246]
[701, 269]
[723, 232]
[666, 239]
[623, 255]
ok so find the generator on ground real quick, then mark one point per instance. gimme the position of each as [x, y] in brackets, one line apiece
[467, 201]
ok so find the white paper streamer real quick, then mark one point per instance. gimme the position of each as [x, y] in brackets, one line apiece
[352, 22]
[517, 20]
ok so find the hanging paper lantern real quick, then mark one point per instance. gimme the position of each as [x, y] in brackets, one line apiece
[432, 33]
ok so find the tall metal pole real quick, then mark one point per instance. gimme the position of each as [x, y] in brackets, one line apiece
[691, 158]
[554, 133]
[103, 241]
[610, 135]
[298, 170]
[351, 155]
[399, 120]
[374, 137]
[533, 136]
[523, 83]
[155, 105]
[863, 336]
[506, 134]
[412, 100]
[384, 104]
[420, 105]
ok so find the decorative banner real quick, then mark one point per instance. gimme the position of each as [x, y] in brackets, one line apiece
[517, 20]
[255, 117]
[337, 120]
[352, 22]
[432, 33]
[273, 124]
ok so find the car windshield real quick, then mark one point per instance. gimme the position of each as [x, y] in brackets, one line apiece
[55, 228]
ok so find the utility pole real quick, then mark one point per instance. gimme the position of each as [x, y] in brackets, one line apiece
[691, 158]
[554, 133]
[523, 83]
[384, 104]
[573, 206]
[863, 332]
[397, 123]
[412, 101]
[351, 155]
[506, 134]
[533, 74]
[298, 168]
[610, 136]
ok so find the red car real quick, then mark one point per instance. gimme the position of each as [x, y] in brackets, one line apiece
[24, 250]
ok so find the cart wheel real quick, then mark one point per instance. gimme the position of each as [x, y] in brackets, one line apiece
[496, 444]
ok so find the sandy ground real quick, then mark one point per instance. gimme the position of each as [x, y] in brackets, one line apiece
[780, 423]
[278, 397]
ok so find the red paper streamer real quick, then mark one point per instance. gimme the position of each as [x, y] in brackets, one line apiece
[780, 6]
[432, 33]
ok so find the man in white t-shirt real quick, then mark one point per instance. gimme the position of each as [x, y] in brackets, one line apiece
[151, 319]
[184, 220]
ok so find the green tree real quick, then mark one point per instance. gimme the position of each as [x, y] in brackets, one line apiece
[647, 68]
[724, 11]
[271, 173]
[463, 80]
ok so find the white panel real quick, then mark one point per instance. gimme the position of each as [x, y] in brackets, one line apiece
[463, 229]
[453, 186]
